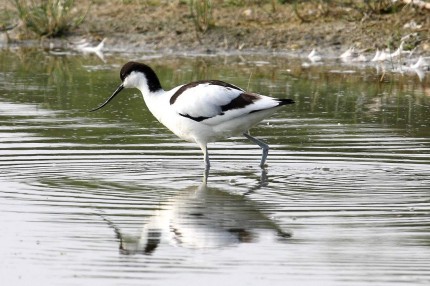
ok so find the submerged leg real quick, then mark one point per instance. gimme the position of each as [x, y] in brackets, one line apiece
[263, 146]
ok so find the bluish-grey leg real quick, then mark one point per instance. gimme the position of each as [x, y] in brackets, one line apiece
[263, 146]
[206, 160]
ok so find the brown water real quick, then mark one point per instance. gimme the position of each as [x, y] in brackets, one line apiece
[113, 198]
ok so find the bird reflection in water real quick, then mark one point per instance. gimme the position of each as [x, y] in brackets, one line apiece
[200, 218]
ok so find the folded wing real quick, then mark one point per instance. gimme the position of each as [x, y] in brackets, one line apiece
[213, 102]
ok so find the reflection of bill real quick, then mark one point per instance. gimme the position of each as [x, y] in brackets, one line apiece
[200, 218]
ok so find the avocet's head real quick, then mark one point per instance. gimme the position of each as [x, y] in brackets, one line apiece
[135, 75]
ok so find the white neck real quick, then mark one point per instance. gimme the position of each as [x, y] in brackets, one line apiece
[155, 101]
[139, 81]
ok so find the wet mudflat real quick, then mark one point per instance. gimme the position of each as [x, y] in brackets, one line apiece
[113, 197]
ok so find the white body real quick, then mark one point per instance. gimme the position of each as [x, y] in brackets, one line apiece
[202, 100]
[419, 64]
[314, 56]
[86, 48]
[352, 56]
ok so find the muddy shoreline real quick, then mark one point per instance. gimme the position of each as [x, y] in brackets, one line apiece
[136, 27]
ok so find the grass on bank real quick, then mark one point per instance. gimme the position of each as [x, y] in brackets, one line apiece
[49, 18]
[201, 12]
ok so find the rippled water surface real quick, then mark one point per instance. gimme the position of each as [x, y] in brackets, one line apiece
[113, 198]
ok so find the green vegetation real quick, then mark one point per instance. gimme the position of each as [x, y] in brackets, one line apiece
[49, 18]
[201, 11]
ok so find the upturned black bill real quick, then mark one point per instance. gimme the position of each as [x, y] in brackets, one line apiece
[118, 90]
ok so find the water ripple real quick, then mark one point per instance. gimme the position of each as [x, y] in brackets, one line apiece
[91, 200]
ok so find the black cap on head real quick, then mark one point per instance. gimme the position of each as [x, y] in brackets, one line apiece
[151, 77]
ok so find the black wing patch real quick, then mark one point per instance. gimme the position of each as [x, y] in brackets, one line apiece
[285, 101]
[196, 83]
[241, 101]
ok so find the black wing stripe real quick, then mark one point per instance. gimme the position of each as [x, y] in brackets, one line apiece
[198, 118]
[196, 83]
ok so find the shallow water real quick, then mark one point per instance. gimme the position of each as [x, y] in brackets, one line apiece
[114, 198]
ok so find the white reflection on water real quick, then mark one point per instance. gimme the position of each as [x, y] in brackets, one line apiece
[198, 218]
